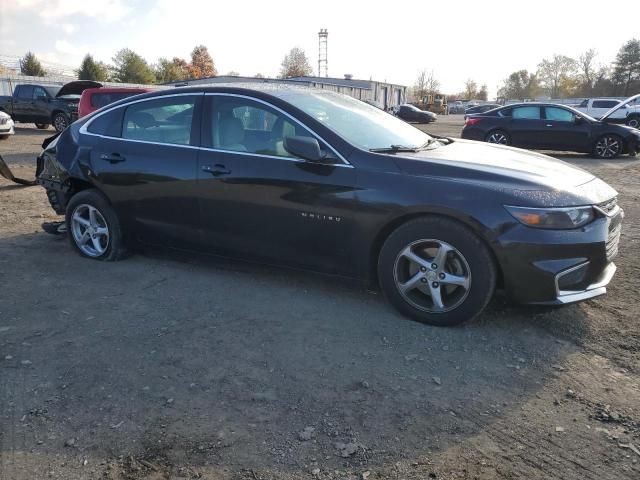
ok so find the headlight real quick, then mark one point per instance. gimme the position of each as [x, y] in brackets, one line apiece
[552, 218]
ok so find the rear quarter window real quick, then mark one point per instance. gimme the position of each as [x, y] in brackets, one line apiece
[108, 124]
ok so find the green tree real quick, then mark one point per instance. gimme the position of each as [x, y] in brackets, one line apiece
[173, 70]
[627, 65]
[520, 85]
[202, 65]
[295, 64]
[92, 70]
[30, 65]
[555, 74]
[129, 67]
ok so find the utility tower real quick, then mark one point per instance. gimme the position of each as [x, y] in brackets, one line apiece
[323, 69]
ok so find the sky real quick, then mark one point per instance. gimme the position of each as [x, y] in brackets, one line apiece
[457, 39]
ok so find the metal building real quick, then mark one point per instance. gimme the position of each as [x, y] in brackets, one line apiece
[383, 94]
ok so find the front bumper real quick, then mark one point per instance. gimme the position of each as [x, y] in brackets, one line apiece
[557, 267]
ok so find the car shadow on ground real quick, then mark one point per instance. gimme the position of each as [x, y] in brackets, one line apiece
[195, 360]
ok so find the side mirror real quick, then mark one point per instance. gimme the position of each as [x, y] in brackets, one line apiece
[304, 147]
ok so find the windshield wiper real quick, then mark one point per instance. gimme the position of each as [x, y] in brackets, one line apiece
[394, 149]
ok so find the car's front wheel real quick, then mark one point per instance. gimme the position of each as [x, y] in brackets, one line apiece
[499, 137]
[436, 271]
[608, 146]
[93, 226]
[633, 122]
[60, 121]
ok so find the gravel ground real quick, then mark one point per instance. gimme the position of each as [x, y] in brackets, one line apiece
[177, 366]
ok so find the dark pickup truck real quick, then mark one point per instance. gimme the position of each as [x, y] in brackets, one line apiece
[46, 104]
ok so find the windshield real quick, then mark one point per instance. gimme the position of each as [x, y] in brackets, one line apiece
[357, 122]
[628, 101]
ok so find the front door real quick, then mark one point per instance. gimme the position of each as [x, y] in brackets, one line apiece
[259, 201]
[148, 168]
[564, 132]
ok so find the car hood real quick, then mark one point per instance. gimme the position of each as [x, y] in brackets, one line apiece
[500, 161]
[77, 87]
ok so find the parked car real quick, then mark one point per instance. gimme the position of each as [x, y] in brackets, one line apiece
[6, 125]
[480, 108]
[93, 99]
[45, 104]
[545, 126]
[628, 113]
[411, 113]
[456, 107]
[322, 181]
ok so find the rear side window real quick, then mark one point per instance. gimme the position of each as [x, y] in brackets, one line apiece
[505, 112]
[24, 91]
[165, 120]
[99, 99]
[527, 113]
[108, 124]
[605, 103]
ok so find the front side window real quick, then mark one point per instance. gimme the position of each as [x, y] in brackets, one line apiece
[558, 114]
[165, 120]
[39, 92]
[244, 125]
[527, 113]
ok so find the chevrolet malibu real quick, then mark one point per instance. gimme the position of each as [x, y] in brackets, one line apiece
[316, 180]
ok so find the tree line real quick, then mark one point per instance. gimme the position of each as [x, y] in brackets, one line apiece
[557, 77]
[129, 67]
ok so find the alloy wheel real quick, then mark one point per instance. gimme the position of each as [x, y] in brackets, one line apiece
[60, 122]
[432, 276]
[498, 137]
[90, 230]
[608, 147]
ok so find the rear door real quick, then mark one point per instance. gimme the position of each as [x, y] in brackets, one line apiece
[144, 158]
[527, 129]
[23, 108]
[259, 201]
[564, 132]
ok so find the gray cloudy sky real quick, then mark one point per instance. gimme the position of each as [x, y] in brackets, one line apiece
[483, 40]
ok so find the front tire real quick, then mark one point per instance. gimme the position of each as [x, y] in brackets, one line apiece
[436, 271]
[42, 126]
[608, 146]
[94, 228]
[60, 121]
[633, 122]
[499, 137]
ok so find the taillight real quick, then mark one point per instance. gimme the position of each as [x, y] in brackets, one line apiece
[471, 121]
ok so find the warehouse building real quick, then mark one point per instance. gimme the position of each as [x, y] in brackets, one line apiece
[383, 94]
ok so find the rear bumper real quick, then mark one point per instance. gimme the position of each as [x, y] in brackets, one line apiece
[471, 133]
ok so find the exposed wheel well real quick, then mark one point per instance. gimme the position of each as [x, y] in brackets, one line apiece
[384, 233]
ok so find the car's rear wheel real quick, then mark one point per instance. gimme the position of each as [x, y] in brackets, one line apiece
[633, 122]
[42, 126]
[608, 146]
[93, 226]
[60, 121]
[499, 137]
[436, 271]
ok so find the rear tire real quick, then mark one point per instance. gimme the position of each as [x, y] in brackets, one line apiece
[453, 292]
[42, 126]
[499, 137]
[94, 228]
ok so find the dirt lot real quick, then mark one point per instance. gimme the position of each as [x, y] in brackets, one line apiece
[175, 366]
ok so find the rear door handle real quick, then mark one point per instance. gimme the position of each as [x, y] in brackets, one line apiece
[217, 170]
[112, 157]
[549, 125]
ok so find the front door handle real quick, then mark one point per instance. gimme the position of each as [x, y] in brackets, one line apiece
[112, 157]
[549, 125]
[217, 170]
